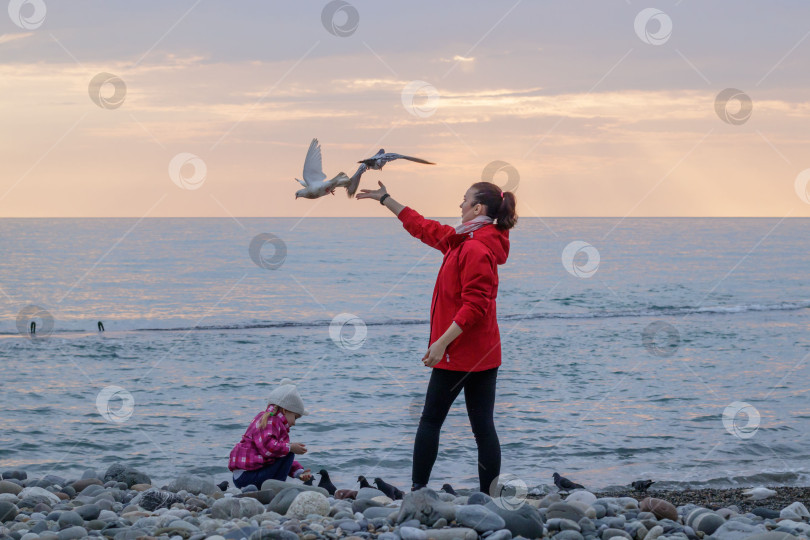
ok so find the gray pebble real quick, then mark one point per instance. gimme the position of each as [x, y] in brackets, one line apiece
[72, 533]
[69, 519]
[412, 533]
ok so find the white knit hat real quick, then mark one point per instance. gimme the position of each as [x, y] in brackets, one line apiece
[286, 396]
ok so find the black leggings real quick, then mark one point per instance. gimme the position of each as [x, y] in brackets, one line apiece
[479, 393]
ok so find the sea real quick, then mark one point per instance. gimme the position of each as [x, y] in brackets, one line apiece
[675, 349]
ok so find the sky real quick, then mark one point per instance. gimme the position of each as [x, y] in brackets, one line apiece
[582, 108]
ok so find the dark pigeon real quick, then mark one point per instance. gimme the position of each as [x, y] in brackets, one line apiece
[223, 486]
[447, 488]
[642, 485]
[326, 483]
[390, 491]
[564, 484]
[363, 482]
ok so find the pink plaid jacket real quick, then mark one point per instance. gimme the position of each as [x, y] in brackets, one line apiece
[261, 447]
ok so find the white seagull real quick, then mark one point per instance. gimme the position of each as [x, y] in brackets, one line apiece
[376, 163]
[759, 493]
[313, 182]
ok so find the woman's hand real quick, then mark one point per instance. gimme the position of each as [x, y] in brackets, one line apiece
[298, 448]
[369, 194]
[434, 354]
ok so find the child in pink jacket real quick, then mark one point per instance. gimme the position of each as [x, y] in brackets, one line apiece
[265, 450]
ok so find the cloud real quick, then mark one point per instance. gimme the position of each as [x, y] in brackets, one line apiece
[6, 38]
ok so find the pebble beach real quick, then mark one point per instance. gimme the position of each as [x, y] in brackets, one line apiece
[121, 503]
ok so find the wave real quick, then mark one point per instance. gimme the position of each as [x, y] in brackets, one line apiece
[647, 311]
[650, 311]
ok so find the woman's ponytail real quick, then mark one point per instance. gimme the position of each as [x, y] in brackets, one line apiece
[500, 204]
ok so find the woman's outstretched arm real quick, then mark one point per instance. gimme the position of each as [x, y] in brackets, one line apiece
[389, 201]
[429, 231]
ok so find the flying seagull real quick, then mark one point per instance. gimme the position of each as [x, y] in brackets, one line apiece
[314, 182]
[376, 162]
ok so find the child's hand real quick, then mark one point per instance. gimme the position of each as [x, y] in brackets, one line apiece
[298, 448]
[306, 476]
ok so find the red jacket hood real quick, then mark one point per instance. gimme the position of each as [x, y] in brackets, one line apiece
[493, 238]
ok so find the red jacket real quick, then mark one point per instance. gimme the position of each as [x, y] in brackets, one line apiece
[465, 290]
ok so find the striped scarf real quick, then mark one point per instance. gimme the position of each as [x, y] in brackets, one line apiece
[473, 224]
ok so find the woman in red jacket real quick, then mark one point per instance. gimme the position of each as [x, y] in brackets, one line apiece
[464, 349]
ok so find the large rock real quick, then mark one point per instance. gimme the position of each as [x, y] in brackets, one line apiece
[231, 507]
[155, 498]
[368, 493]
[9, 487]
[661, 508]
[273, 534]
[478, 498]
[88, 512]
[797, 509]
[120, 472]
[479, 518]
[773, 535]
[43, 495]
[736, 530]
[79, 485]
[282, 501]
[17, 475]
[8, 511]
[193, 484]
[264, 496]
[568, 535]
[412, 533]
[69, 519]
[51, 480]
[424, 505]
[308, 502]
[278, 486]
[582, 496]
[378, 512]
[463, 533]
[565, 511]
[72, 533]
[524, 521]
[704, 520]
[361, 505]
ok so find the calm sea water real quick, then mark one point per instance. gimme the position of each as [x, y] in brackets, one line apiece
[197, 333]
